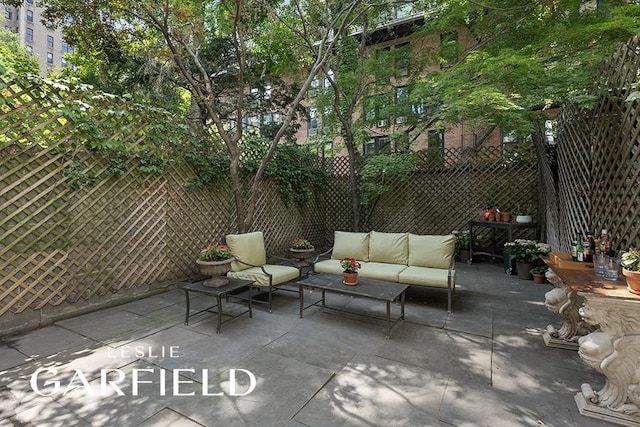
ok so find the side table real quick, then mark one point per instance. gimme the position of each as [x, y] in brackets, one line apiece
[219, 292]
[510, 227]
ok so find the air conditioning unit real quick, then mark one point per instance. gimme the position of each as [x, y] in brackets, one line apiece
[382, 123]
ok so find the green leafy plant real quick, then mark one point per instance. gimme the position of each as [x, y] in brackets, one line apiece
[301, 244]
[214, 252]
[463, 240]
[524, 250]
[631, 260]
[539, 270]
[350, 265]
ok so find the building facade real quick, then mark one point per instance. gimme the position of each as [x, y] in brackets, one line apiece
[41, 40]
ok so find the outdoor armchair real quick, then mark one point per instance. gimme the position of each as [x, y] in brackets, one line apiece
[250, 263]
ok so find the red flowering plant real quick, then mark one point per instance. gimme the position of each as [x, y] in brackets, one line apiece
[350, 265]
[301, 244]
[214, 252]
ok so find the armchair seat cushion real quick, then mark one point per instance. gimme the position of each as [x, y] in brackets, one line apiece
[280, 274]
[426, 276]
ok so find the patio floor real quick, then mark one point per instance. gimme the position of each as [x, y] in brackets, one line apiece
[484, 365]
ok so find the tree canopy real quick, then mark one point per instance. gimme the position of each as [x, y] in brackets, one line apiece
[14, 58]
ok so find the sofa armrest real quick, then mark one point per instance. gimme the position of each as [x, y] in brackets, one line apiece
[317, 257]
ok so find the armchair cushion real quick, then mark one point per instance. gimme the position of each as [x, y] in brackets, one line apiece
[352, 245]
[391, 248]
[248, 247]
[279, 273]
[434, 251]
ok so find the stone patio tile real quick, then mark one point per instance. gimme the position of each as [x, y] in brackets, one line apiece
[10, 357]
[376, 391]
[49, 340]
[167, 417]
[283, 386]
[155, 302]
[112, 325]
[46, 412]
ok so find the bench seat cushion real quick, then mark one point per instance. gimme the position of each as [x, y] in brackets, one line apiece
[329, 266]
[426, 276]
[381, 271]
[280, 274]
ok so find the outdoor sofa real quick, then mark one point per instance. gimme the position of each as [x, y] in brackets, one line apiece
[412, 259]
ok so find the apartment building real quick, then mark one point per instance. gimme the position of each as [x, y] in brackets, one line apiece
[41, 40]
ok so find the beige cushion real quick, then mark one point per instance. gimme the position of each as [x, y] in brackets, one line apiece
[330, 266]
[350, 245]
[433, 251]
[280, 274]
[392, 248]
[248, 247]
[424, 276]
[382, 271]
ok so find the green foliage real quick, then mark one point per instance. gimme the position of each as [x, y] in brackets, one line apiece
[14, 58]
[209, 161]
[77, 176]
[383, 169]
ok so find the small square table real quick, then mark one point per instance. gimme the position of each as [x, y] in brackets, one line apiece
[219, 292]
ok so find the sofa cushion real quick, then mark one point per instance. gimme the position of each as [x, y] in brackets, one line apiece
[330, 266]
[248, 247]
[433, 251]
[280, 274]
[382, 271]
[391, 248]
[425, 276]
[350, 245]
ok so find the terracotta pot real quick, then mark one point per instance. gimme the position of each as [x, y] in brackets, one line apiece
[539, 278]
[349, 279]
[523, 269]
[215, 269]
[633, 280]
[505, 216]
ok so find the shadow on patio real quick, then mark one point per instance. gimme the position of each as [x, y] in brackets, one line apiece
[484, 365]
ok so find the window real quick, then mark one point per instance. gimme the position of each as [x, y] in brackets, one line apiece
[28, 35]
[376, 109]
[312, 123]
[375, 145]
[402, 54]
[8, 14]
[435, 139]
[29, 15]
[449, 47]
[402, 104]
[50, 58]
[50, 42]
[66, 47]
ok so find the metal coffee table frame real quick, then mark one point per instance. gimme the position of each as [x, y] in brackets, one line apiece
[367, 288]
[219, 292]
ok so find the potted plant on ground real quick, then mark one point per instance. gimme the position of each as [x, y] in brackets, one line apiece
[215, 261]
[630, 263]
[350, 267]
[301, 249]
[527, 254]
[538, 274]
[463, 243]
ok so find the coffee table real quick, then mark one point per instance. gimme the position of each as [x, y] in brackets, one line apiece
[219, 292]
[367, 288]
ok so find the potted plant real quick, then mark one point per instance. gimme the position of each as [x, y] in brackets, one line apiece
[527, 254]
[523, 214]
[215, 261]
[630, 263]
[350, 267]
[463, 243]
[538, 274]
[301, 249]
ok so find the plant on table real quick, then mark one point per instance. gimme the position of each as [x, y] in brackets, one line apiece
[350, 265]
[631, 260]
[301, 244]
[214, 252]
[524, 250]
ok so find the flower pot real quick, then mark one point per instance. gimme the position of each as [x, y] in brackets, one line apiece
[349, 279]
[539, 278]
[464, 255]
[633, 280]
[215, 269]
[524, 219]
[505, 216]
[301, 255]
[523, 269]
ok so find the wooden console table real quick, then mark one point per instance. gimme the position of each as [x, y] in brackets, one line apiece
[613, 349]
[510, 226]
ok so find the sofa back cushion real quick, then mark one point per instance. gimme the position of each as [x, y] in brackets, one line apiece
[351, 245]
[248, 247]
[433, 251]
[391, 248]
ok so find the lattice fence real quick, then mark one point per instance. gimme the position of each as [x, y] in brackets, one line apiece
[598, 159]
